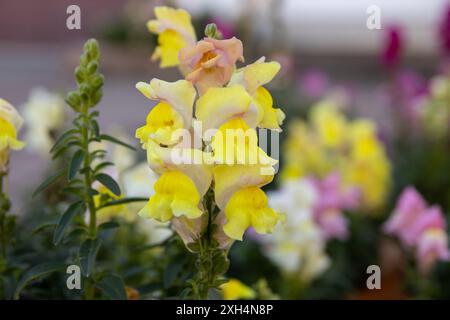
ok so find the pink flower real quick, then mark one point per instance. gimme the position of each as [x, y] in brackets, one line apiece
[420, 228]
[333, 199]
[409, 207]
[211, 62]
[444, 32]
[432, 247]
[333, 224]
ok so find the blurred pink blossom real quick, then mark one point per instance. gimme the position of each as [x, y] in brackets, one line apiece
[332, 201]
[314, 84]
[444, 32]
[420, 227]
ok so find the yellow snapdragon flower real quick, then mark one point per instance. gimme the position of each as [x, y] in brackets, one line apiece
[175, 195]
[174, 110]
[235, 289]
[175, 32]
[10, 123]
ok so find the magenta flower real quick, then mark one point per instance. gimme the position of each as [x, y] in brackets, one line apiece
[444, 32]
[392, 47]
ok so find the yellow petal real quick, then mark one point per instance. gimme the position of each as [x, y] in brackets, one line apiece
[180, 95]
[234, 289]
[272, 118]
[175, 195]
[228, 179]
[219, 105]
[256, 74]
[249, 207]
[161, 123]
[192, 162]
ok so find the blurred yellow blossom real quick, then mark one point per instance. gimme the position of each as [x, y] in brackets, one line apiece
[330, 142]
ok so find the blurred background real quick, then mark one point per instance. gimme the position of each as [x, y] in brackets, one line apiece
[327, 54]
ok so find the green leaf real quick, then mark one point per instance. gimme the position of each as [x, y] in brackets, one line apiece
[171, 273]
[108, 225]
[65, 220]
[88, 253]
[113, 287]
[117, 141]
[109, 183]
[36, 272]
[103, 165]
[123, 201]
[43, 225]
[75, 164]
[62, 139]
[95, 128]
[48, 182]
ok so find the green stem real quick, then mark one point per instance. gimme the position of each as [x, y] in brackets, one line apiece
[88, 174]
[206, 276]
[89, 288]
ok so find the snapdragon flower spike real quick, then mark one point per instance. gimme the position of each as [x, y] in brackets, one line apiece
[175, 32]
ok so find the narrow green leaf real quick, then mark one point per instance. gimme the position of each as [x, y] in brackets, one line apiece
[65, 220]
[108, 225]
[48, 182]
[62, 139]
[43, 225]
[75, 164]
[116, 141]
[36, 272]
[95, 128]
[123, 201]
[88, 253]
[113, 287]
[109, 183]
[102, 165]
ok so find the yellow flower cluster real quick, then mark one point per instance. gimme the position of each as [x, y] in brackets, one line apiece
[10, 123]
[224, 157]
[329, 143]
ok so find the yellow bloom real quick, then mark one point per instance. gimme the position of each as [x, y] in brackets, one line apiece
[175, 195]
[249, 207]
[253, 77]
[234, 290]
[10, 123]
[213, 109]
[175, 32]
[236, 143]
[174, 111]
[329, 123]
[351, 148]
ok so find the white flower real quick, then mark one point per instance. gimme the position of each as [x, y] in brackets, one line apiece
[297, 245]
[44, 114]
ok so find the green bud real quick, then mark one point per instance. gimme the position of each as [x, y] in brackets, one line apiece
[97, 96]
[73, 98]
[92, 67]
[97, 81]
[91, 47]
[79, 74]
[211, 30]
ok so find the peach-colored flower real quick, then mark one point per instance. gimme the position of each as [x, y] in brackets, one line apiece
[211, 62]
